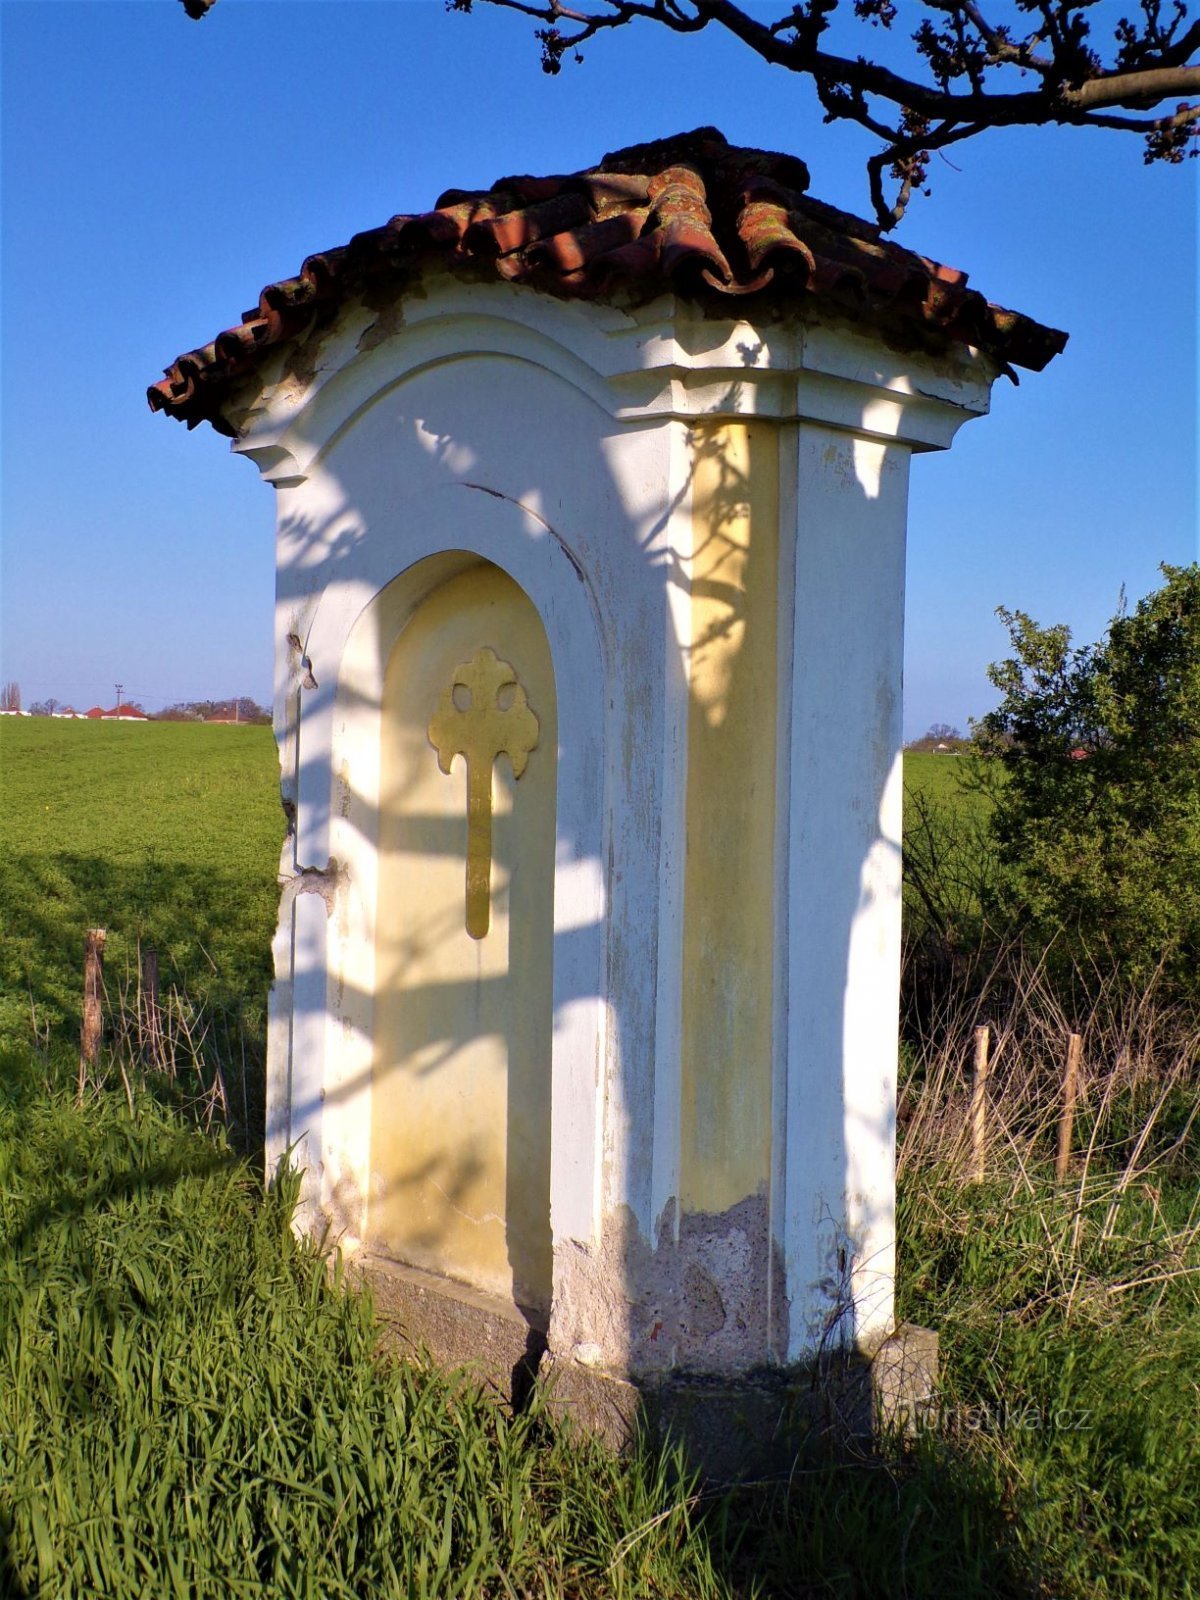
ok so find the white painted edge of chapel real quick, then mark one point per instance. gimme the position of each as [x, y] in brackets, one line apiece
[678, 543]
[777, 1229]
[839, 1231]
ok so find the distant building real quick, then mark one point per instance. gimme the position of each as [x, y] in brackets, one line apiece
[121, 713]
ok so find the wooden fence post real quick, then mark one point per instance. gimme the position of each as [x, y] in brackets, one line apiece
[1067, 1115]
[979, 1104]
[93, 1009]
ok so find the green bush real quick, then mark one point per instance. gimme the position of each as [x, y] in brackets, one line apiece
[1097, 825]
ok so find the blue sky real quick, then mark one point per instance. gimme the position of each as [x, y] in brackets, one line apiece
[157, 172]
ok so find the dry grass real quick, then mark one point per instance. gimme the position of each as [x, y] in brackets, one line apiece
[1068, 1309]
[1140, 1057]
[189, 1051]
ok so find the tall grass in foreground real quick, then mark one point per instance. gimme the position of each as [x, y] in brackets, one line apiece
[189, 1406]
[192, 1404]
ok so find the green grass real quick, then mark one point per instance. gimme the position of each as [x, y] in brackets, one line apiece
[938, 778]
[946, 787]
[949, 859]
[166, 834]
[1071, 1363]
[190, 1404]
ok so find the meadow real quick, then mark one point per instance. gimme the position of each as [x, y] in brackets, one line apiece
[165, 834]
[192, 1404]
[937, 778]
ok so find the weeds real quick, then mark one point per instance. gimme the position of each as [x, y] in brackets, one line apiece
[191, 1053]
[1069, 1315]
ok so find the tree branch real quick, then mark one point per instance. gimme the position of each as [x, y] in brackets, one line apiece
[1074, 88]
[1150, 66]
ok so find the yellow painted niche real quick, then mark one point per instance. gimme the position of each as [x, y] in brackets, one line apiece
[729, 884]
[460, 1138]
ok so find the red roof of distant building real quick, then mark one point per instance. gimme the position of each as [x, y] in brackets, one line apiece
[691, 214]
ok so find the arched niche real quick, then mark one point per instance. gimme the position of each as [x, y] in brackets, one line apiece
[464, 937]
[461, 537]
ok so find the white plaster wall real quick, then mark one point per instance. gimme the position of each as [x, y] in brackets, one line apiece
[844, 885]
[459, 457]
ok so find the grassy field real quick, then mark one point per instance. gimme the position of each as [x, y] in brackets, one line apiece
[938, 778]
[166, 834]
[948, 856]
[191, 1405]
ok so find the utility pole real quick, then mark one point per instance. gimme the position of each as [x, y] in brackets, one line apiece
[119, 688]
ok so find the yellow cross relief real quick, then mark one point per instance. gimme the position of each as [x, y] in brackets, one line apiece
[482, 713]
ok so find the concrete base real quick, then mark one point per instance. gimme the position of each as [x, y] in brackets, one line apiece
[757, 1425]
[500, 1344]
[729, 1429]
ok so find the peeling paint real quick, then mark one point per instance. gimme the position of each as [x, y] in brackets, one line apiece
[696, 1302]
[325, 881]
[388, 322]
[302, 360]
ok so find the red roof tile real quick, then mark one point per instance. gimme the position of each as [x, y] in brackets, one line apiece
[691, 214]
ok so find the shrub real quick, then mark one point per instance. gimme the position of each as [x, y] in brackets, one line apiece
[1097, 824]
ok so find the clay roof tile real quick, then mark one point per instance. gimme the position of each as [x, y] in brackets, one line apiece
[690, 214]
[514, 230]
